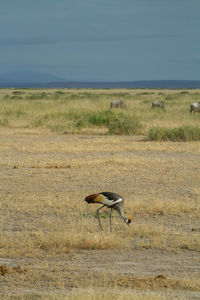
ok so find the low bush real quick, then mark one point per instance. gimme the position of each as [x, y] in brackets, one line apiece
[60, 93]
[124, 125]
[101, 117]
[184, 133]
[145, 93]
[17, 92]
[184, 93]
[116, 122]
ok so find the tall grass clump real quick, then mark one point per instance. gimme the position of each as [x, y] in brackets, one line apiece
[91, 117]
[101, 117]
[40, 121]
[183, 133]
[3, 122]
[124, 125]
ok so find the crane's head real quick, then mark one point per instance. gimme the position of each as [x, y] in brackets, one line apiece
[128, 220]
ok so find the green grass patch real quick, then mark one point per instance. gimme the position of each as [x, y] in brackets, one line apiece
[38, 96]
[184, 93]
[184, 133]
[196, 97]
[125, 125]
[60, 93]
[101, 117]
[145, 93]
[121, 123]
[17, 92]
[170, 97]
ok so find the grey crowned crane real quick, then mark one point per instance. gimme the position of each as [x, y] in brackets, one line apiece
[111, 200]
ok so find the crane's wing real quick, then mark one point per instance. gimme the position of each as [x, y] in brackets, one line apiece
[111, 198]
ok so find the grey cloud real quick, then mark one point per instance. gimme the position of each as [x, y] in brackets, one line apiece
[54, 40]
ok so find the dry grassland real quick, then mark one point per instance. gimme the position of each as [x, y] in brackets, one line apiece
[50, 244]
[65, 110]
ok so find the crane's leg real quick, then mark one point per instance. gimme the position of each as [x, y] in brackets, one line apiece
[110, 220]
[98, 216]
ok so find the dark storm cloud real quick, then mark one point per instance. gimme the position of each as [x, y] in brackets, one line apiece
[49, 40]
[109, 40]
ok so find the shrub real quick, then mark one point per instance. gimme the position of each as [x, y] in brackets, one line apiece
[92, 117]
[145, 93]
[59, 93]
[117, 123]
[101, 117]
[184, 93]
[124, 124]
[17, 92]
[184, 133]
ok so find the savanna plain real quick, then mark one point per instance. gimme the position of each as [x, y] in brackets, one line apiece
[59, 145]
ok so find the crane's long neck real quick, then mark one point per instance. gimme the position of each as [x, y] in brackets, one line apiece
[121, 213]
[126, 220]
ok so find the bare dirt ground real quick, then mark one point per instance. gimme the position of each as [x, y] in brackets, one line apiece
[44, 178]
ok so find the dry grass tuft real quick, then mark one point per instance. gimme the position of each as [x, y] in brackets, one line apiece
[96, 294]
[5, 270]
[40, 243]
[169, 207]
[116, 293]
[64, 241]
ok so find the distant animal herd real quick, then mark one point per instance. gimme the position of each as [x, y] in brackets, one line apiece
[194, 107]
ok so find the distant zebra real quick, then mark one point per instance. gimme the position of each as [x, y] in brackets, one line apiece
[159, 104]
[195, 107]
[117, 104]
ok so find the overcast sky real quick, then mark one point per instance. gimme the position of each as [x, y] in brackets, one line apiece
[102, 40]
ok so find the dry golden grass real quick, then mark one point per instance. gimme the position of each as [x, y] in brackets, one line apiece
[47, 228]
[54, 109]
[94, 294]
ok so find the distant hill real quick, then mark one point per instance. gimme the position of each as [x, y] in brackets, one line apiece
[151, 84]
[29, 79]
